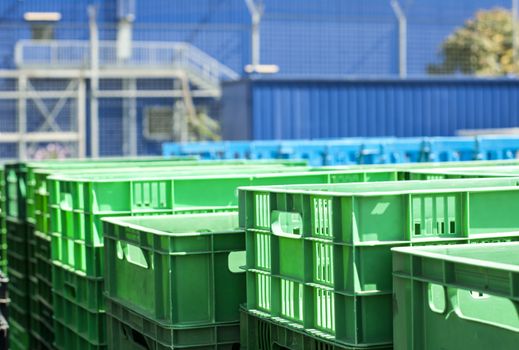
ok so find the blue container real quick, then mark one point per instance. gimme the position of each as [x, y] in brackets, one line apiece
[450, 149]
[497, 147]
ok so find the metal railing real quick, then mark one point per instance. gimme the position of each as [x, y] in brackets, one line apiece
[76, 54]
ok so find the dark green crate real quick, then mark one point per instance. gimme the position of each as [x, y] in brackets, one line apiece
[15, 194]
[180, 270]
[44, 288]
[67, 339]
[259, 332]
[33, 288]
[44, 268]
[18, 273]
[90, 325]
[319, 256]
[86, 292]
[19, 314]
[456, 297]
[42, 333]
[16, 261]
[3, 242]
[17, 237]
[18, 337]
[129, 330]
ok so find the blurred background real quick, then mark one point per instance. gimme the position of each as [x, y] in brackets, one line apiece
[121, 77]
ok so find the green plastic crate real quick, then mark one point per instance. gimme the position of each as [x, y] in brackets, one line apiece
[77, 235]
[86, 292]
[180, 270]
[18, 252]
[86, 260]
[18, 337]
[470, 172]
[19, 307]
[15, 190]
[151, 190]
[85, 323]
[262, 333]
[66, 339]
[40, 208]
[31, 176]
[42, 333]
[456, 297]
[318, 254]
[129, 330]
[44, 268]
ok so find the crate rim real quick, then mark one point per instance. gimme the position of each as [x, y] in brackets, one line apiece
[431, 252]
[120, 221]
[314, 188]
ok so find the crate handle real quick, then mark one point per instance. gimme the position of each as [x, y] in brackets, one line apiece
[484, 308]
[236, 261]
[70, 290]
[132, 254]
[476, 306]
[287, 224]
[135, 337]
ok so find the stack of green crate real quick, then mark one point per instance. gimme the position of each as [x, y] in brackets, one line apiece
[319, 257]
[38, 217]
[78, 203]
[456, 297]
[3, 229]
[17, 256]
[38, 242]
[174, 281]
[38, 213]
[20, 206]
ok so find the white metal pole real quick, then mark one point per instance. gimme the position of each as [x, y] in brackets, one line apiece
[130, 117]
[402, 38]
[81, 117]
[94, 82]
[256, 12]
[22, 116]
[515, 9]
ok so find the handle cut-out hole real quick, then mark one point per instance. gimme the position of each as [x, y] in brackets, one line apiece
[488, 309]
[437, 298]
[132, 254]
[236, 261]
[287, 224]
[70, 290]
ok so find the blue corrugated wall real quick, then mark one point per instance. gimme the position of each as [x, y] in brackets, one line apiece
[292, 109]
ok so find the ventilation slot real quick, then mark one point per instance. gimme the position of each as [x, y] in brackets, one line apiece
[322, 208]
[325, 311]
[323, 260]
[262, 206]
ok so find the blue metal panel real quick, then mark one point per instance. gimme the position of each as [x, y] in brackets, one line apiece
[291, 109]
[235, 112]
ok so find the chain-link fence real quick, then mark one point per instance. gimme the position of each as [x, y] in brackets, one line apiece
[306, 39]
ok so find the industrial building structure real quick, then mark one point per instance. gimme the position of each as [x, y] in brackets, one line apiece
[118, 77]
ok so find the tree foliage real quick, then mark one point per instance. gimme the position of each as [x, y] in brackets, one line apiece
[483, 46]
